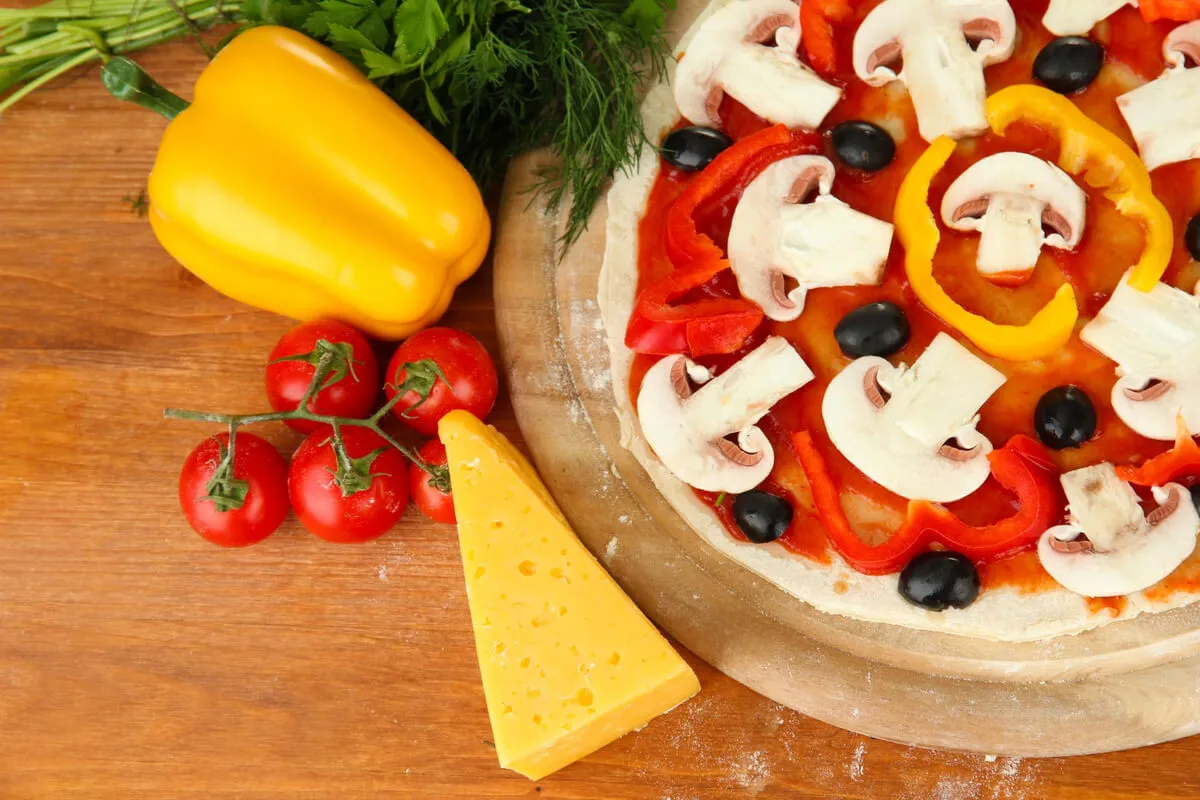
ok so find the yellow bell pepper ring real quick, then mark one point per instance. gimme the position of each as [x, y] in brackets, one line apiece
[1088, 149]
[918, 231]
[294, 185]
[1104, 161]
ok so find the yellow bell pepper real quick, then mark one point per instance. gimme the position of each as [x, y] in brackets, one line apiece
[294, 185]
[1087, 149]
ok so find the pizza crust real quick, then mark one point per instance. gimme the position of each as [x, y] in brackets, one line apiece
[1003, 614]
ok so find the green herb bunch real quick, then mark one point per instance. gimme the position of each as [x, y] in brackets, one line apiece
[490, 78]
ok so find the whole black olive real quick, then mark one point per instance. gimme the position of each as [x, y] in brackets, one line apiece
[692, 149]
[1191, 237]
[863, 145]
[940, 579]
[762, 517]
[1068, 64]
[1064, 417]
[1195, 493]
[876, 329]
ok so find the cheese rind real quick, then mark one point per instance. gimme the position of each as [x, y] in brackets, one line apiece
[568, 662]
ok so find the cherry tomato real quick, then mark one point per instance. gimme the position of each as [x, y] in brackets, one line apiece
[253, 493]
[370, 497]
[467, 378]
[433, 502]
[351, 388]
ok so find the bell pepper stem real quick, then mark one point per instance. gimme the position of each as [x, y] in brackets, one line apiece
[125, 80]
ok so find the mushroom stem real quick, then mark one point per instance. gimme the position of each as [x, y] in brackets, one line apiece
[1101, 504]
[1155, 339]
[1078, 17]
[944, 80]
[941, 393]
[1164, 115]
[1011, 235]
[775, 85]
[743, 394]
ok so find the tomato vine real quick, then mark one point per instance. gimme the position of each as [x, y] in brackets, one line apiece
[325, 368]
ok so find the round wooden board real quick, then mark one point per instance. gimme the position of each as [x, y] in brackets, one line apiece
[1125, 685]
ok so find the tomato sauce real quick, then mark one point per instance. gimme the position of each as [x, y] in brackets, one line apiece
[1111, 243]
[1113, 606]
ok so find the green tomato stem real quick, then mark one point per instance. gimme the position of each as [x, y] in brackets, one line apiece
[300, 412]
[233, 419]
[386, 407]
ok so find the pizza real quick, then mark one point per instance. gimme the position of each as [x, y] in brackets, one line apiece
[900, 305]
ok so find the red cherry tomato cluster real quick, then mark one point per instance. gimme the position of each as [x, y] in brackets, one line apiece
[347, 482]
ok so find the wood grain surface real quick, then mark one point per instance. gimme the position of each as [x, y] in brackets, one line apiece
[136, 661]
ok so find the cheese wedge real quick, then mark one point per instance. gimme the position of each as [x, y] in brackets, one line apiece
[568, 662]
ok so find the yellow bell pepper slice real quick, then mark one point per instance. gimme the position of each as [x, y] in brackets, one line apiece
[1104, 161]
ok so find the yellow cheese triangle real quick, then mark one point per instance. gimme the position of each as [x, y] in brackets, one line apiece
[569, 663]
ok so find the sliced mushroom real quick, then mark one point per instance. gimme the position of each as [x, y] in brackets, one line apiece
[787, 226]
[943, 72]
[912, 430]
[1077, 17]
[687, 429]
[732, 53]
[1010, 198]
[1155, 339]
[1164, 114]
[1108, 547]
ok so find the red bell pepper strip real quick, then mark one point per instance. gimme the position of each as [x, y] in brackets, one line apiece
[1021, 466]
[728, 174]
[711, 326]
[707, 327]
[817, 18]
[1177, 10]
[824, 491]
[1181, 461]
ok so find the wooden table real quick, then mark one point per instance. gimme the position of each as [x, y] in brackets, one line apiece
[138, 661]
